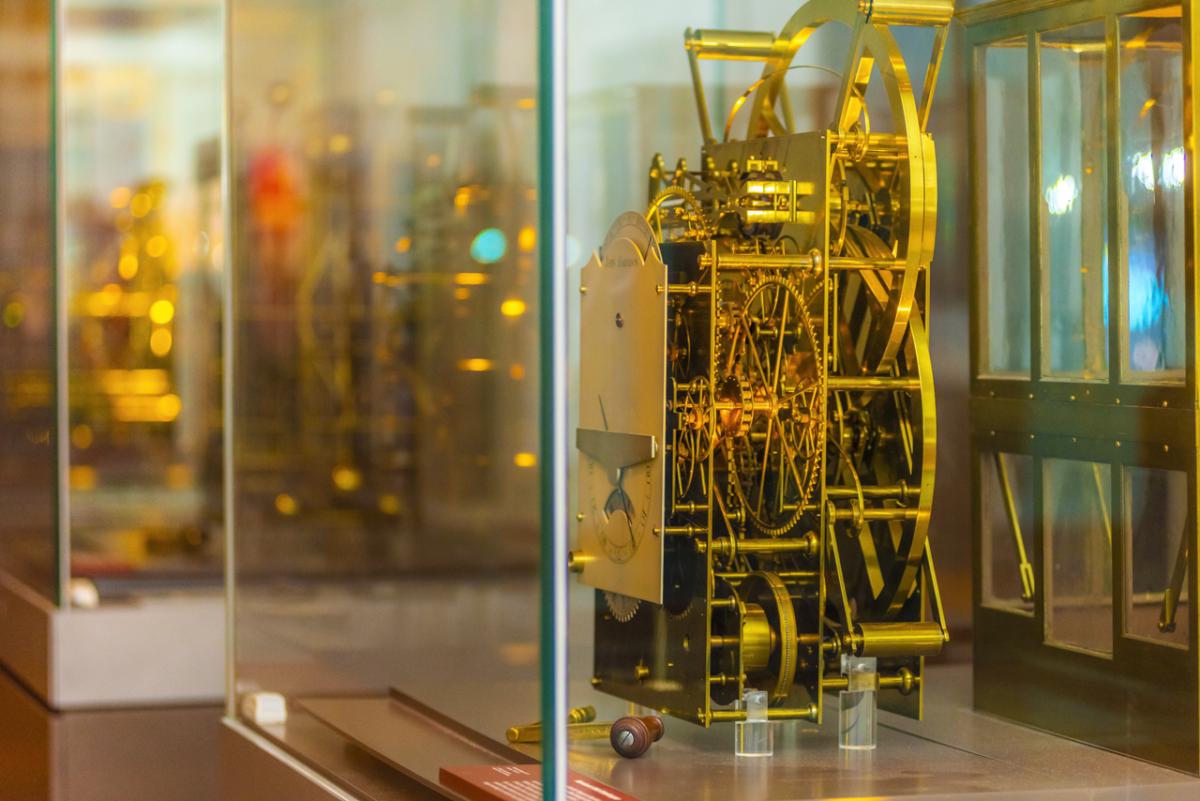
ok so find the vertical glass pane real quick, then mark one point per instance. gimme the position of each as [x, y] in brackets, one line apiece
[27, 461]
[1077, 504]
[1074, 202]
[1153, 168]
[1006, 486]
[1002, 122]
[140, 172]
[1157, 506]
[384, 180]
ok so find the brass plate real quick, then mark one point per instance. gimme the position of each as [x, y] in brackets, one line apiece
[622, 419]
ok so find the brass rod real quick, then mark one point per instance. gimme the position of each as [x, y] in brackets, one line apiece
[931, 74]
[1171, 595]
[898, 513]
[688, 289]
[901, 490]
[897, 682]
[756, 261]
[1102, 503]
[1023, 565]
[786, 575]
[575, 731]
[867, 383]
[849, 264]
[720, 715]
[698, 89]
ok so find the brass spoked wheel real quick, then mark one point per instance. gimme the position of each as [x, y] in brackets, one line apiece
[769, 406]
[692, 440]
[886, 192]
[887, 439]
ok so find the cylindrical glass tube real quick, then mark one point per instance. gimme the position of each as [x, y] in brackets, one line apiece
[752, 737]
[857, 704]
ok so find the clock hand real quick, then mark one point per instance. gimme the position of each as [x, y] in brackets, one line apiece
[628, 514]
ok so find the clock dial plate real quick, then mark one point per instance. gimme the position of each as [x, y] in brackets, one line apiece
[622, 414]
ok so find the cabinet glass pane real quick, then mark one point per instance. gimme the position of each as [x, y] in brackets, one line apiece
[1002, 121]
[1077, 503]
[28, 545]
[142, 265]
[1153, 169]
[1074, 203]
[384, 180]
[1156, 503]
[1006, 486]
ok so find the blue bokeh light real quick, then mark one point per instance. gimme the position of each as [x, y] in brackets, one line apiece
[489, 246]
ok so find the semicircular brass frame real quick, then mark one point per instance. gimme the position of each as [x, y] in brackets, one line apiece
[879, 45]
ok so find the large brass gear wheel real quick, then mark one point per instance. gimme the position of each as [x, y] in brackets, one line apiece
[775, 450]
[908, 235]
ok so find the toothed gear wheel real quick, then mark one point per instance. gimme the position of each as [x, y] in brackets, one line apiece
[770, 592]
[622, 607]
[692, 215]
[775, 475]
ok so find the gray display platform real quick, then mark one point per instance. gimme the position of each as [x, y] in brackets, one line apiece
[162, 648]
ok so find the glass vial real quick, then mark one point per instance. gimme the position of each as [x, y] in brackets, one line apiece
[752, 737]
[856, 704]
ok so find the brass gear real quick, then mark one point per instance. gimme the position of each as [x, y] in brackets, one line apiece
[767, 591]
[691, 212]
[622, 607]
[761, 388]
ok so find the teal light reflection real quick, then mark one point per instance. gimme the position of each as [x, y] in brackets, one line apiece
[489, 246]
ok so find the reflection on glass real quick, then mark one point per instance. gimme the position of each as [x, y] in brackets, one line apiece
[1002, 118]
[384, 174]
[1077, 504]
[1153, 168]
[28, 545]
[1074, 202]
[1007, 486]
[141, 105]
[1156, 505]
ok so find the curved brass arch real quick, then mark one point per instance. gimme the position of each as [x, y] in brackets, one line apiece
[874, 47]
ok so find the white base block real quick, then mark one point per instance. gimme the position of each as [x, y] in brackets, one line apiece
[152, 650]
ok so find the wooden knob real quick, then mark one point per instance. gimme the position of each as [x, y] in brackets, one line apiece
[632, 736]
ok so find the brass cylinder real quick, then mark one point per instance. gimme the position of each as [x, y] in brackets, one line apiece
[757, 639]
[910, 12]
[898, 639]
[733, 45]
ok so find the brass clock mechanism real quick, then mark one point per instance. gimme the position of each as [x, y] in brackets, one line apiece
[756, 423]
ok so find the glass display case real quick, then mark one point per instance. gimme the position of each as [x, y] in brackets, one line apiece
[1083, 371]
[561, 461]
[385, 372]
[403, 374]
[112, 544]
